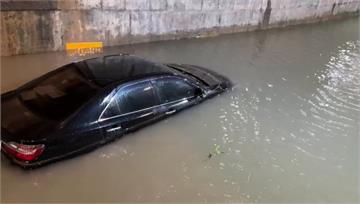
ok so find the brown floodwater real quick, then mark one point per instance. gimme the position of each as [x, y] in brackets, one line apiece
[289, 129]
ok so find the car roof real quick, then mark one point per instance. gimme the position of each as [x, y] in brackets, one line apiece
[109, 69]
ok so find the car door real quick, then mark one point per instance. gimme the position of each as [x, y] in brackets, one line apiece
[141, 105]
[111, 120]
[175, 93]
[84, 135]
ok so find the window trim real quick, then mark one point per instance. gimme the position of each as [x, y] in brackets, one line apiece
[124, 114]
[112, 98]
[106, 107]
[100, 119]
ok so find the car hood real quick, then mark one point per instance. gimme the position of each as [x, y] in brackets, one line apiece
[209, 77]
[19, 124]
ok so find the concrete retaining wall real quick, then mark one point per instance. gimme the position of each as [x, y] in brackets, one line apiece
[30, 26]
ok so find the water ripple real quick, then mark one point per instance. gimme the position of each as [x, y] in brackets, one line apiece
[339, 93]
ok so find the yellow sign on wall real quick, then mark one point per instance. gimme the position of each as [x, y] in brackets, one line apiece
[84, 48]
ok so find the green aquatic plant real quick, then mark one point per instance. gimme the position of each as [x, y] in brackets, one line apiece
[216, 151]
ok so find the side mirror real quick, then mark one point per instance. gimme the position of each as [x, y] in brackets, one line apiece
[199, 92]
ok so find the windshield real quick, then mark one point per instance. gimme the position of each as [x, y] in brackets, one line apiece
[190, 74]
[59, 94]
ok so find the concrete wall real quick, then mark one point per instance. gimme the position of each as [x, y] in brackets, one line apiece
[29, 26]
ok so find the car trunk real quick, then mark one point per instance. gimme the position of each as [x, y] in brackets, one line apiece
[19, 124]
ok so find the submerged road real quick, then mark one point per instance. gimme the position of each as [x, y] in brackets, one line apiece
[289, 129]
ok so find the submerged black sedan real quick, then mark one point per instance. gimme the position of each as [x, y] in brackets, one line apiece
[84, 104]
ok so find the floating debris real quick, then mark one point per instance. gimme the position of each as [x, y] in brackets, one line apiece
[215, 152]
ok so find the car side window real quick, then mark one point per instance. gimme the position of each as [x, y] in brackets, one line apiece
[113, 108]
[173, 89]
[131, 98]
[139, 96]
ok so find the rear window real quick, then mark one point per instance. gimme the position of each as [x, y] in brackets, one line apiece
[58, 95]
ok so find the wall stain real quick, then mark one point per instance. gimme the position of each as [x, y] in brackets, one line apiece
[333, 8]
[267, 13]
[30, 26]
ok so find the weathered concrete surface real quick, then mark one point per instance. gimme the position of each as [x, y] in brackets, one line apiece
[30, 26]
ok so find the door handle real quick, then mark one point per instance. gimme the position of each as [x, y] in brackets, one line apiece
[113, 128]
[170, 112]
